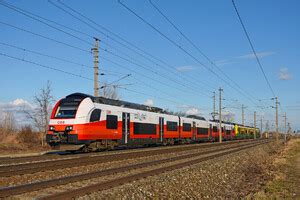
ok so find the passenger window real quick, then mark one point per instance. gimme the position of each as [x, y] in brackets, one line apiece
[95, 116]
[186, 127]
[171, 126]
[111, 121]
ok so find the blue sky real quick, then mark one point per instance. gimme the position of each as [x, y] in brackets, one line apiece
[185, 85]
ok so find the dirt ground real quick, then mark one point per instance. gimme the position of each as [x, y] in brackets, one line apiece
[285, 171]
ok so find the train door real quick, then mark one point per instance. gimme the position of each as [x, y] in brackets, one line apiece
[194, 130]
[125, 127]
[161, 129]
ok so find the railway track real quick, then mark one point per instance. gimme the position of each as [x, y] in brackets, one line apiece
[65, 155]
[29, 168]
[204, 155]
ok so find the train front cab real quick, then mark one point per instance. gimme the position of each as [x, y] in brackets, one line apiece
[67, 121]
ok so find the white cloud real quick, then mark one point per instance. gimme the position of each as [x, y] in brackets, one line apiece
[149, 102]
[185, 68]
[284, 74]
[246, 57]
[259, 55]
[192, 111]
[21, 103]
[17, 108]
[224, 62]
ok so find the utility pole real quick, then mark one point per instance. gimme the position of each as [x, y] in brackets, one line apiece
[261, 126]
[220, 114]
[254, 124]
[96, 68]
[285, 127]
[277, 133]
[243, 115]
[214, 106]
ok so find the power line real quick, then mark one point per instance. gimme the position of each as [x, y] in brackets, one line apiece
[45, 37]
[36, 19]
[175, 44]
[83, 77]
[45, 66]
[126, 46]
[252, 47]
[144, 76]
[155, 72]
[68, 61]
[66, 44]
[45, 55]
[200, 51]
[69, 45]
[106, 72]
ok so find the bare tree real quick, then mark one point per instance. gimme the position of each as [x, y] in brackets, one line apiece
[8, 125]
[109, 91]
[41, 113]
[229, 117]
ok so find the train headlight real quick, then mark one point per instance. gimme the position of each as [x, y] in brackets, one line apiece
[51, 128]
[69, 128]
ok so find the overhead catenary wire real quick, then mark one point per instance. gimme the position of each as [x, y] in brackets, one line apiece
[65, 32]
[45, 65]
[195, 81]
[175, 44]
[137, 64]
[45, 37]
[49, 25]
[107, 30]
[207, 57]
[105, 72]
[83, 77]
[72, 46]
[239, 89]
[143, 82]
[252, 48]
[45, 55]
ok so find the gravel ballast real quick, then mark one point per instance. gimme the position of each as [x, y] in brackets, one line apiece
[229, 177]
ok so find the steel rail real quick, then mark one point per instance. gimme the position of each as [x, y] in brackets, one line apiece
[120, 181]
[20, 169]
[15, 190]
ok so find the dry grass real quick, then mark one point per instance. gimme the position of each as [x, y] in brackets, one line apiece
[20, 141]
[285, 175]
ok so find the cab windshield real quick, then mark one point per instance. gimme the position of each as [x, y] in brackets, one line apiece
[67, 108]
[66, 112]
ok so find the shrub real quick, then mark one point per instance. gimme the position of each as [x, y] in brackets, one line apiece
[27, 136]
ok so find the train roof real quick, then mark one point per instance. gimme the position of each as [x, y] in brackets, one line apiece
[114, 102]
[196, 117]
[126, 104]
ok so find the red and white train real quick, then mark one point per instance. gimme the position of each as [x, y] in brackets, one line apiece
[80, 119]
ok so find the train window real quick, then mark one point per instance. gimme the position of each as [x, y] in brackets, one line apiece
[144, 128]
[215, 129]
[95, 116]
[66, 112]
[171, 126]
[111, 121]
[228, 132]
[202, 131]
[186, 127]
